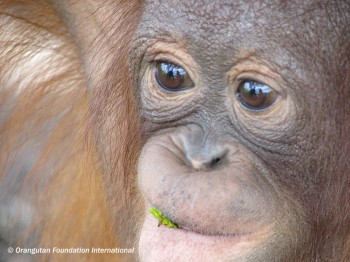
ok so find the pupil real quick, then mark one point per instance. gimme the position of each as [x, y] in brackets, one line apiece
[168, 69]
[251, 89]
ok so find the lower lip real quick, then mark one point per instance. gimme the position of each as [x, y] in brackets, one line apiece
[169, 244]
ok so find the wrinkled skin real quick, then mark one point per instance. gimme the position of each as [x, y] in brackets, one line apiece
[259, 202]
[243, 184]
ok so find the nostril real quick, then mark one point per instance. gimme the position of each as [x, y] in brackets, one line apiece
[215, 161]
[199, 163]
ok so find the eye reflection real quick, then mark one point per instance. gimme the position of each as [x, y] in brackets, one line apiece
[255, 95]
[172, 77]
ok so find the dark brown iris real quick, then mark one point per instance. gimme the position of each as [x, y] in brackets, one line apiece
[255, 95]
[172, 77]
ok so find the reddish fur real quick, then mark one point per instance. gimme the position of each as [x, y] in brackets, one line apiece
[64, 183]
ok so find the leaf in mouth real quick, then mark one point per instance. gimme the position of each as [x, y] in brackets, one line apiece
[163, 220]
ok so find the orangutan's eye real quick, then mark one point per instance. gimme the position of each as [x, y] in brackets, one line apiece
[172, 77]
[255, 95]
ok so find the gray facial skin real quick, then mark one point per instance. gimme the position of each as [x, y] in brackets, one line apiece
[247, 178]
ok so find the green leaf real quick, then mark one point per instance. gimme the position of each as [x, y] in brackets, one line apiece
[162, 219]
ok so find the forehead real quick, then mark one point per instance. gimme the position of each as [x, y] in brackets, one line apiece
[221, 20]
[218, 30]
[286, 34]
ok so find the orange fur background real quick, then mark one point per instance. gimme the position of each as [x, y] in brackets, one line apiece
[51, 188]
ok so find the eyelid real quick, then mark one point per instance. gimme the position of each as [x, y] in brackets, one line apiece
[253, 68]
[175, 53]
[257, 77]
[167, 61]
